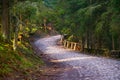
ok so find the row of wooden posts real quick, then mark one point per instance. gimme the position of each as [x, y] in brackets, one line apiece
[78, 47]
[71, 45]
[75, 46]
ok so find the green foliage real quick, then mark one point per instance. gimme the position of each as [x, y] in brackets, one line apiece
[20, 60]
[115, 24]
[115, 5]
[94, 21]
[27, 10]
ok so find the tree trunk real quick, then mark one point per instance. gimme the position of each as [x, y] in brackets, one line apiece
[5, 20]
[15, 32]
[15, 40]
[119, 42]
[88, 41]
[99, 42]
[45, 26]
[113, 43]
[83, 44]
[90, 2]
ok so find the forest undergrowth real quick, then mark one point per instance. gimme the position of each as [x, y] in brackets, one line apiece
[15, 64]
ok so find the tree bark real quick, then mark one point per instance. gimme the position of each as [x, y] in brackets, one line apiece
[113, 43]
[15, 32]
[88, 39]
[83, 43]
[45, 25]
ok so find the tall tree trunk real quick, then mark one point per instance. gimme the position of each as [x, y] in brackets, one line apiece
[99, 42]
[45, 25]
[119, 42]
[20, 26]
[88, 39]
[90, 2]
[5, 20]
[16, 31]
[113, 43]
[83, 43]
[15, 40]
[91, 40]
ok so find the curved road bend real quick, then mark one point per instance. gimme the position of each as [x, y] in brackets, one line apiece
[84, 67]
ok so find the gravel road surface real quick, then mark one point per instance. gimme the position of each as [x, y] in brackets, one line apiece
[79, 66]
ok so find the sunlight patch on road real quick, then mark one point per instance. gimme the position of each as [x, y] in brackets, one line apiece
[54, 50]
[72, 59]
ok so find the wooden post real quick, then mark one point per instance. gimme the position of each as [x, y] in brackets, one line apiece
[75, 44]
[61, 40]
[64, 43]
[68, 44]
[72, 44]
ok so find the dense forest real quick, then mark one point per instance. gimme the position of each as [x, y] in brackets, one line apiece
[93, 23]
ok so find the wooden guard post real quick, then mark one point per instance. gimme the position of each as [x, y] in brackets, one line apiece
[71, 45]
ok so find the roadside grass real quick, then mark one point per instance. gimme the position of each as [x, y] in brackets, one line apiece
[21, 60]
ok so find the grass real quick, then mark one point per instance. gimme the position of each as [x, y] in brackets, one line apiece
[17, 61]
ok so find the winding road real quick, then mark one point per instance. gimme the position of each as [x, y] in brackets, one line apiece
[81, 66]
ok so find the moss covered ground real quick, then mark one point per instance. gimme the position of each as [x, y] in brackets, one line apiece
[19, 63]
